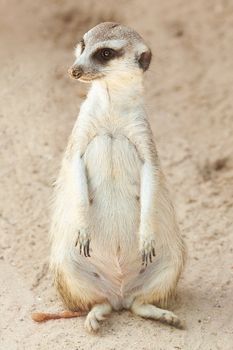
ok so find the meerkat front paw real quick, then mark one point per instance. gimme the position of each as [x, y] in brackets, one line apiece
[83, 242]
[147, 249]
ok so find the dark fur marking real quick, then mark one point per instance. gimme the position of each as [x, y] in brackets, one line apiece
[82, 43]
[97, 55]
[144, 60]
[96, 275]
[115, 25]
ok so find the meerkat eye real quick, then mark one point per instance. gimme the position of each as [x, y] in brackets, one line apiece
[105, 54]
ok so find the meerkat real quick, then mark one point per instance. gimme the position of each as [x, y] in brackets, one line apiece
[114, 235]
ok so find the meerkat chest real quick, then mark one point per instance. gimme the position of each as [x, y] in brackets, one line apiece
[112, 162]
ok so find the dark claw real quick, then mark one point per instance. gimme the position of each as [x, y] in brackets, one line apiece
[85, 250]
[76, 243]
[146, 258]
[88, 247]
[143, 258]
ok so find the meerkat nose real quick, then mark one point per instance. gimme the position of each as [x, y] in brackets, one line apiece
[75, 72]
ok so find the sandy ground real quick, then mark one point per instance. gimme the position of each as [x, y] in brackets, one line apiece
[189, 92]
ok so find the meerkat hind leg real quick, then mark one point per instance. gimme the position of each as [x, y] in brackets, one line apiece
[155, 313]
[98, 313]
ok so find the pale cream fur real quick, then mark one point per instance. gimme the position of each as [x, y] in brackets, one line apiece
[112, 191]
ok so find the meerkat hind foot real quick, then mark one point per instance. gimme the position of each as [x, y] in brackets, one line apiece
[97, 314]
[155, 313]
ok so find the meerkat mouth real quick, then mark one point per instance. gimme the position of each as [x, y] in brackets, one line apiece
[87, 79]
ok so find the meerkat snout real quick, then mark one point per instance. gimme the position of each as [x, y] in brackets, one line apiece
[75, 72]
[110, 50]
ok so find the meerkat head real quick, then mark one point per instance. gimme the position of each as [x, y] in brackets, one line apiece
[110, 50]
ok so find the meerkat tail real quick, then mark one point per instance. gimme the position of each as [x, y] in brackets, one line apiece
[43, 316]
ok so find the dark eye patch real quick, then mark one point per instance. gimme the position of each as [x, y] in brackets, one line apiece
[82, 44]
[106, 54]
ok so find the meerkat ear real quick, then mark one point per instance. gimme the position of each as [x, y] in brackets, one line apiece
[144, 60]
[143, 56]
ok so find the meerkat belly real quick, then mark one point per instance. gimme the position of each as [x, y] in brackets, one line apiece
[113, 174]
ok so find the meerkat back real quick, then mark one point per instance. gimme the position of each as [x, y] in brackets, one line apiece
[115, 240]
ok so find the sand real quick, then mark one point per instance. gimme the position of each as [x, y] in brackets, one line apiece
[189, 90]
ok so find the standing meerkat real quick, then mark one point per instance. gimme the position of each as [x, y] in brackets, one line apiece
[115, 240]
